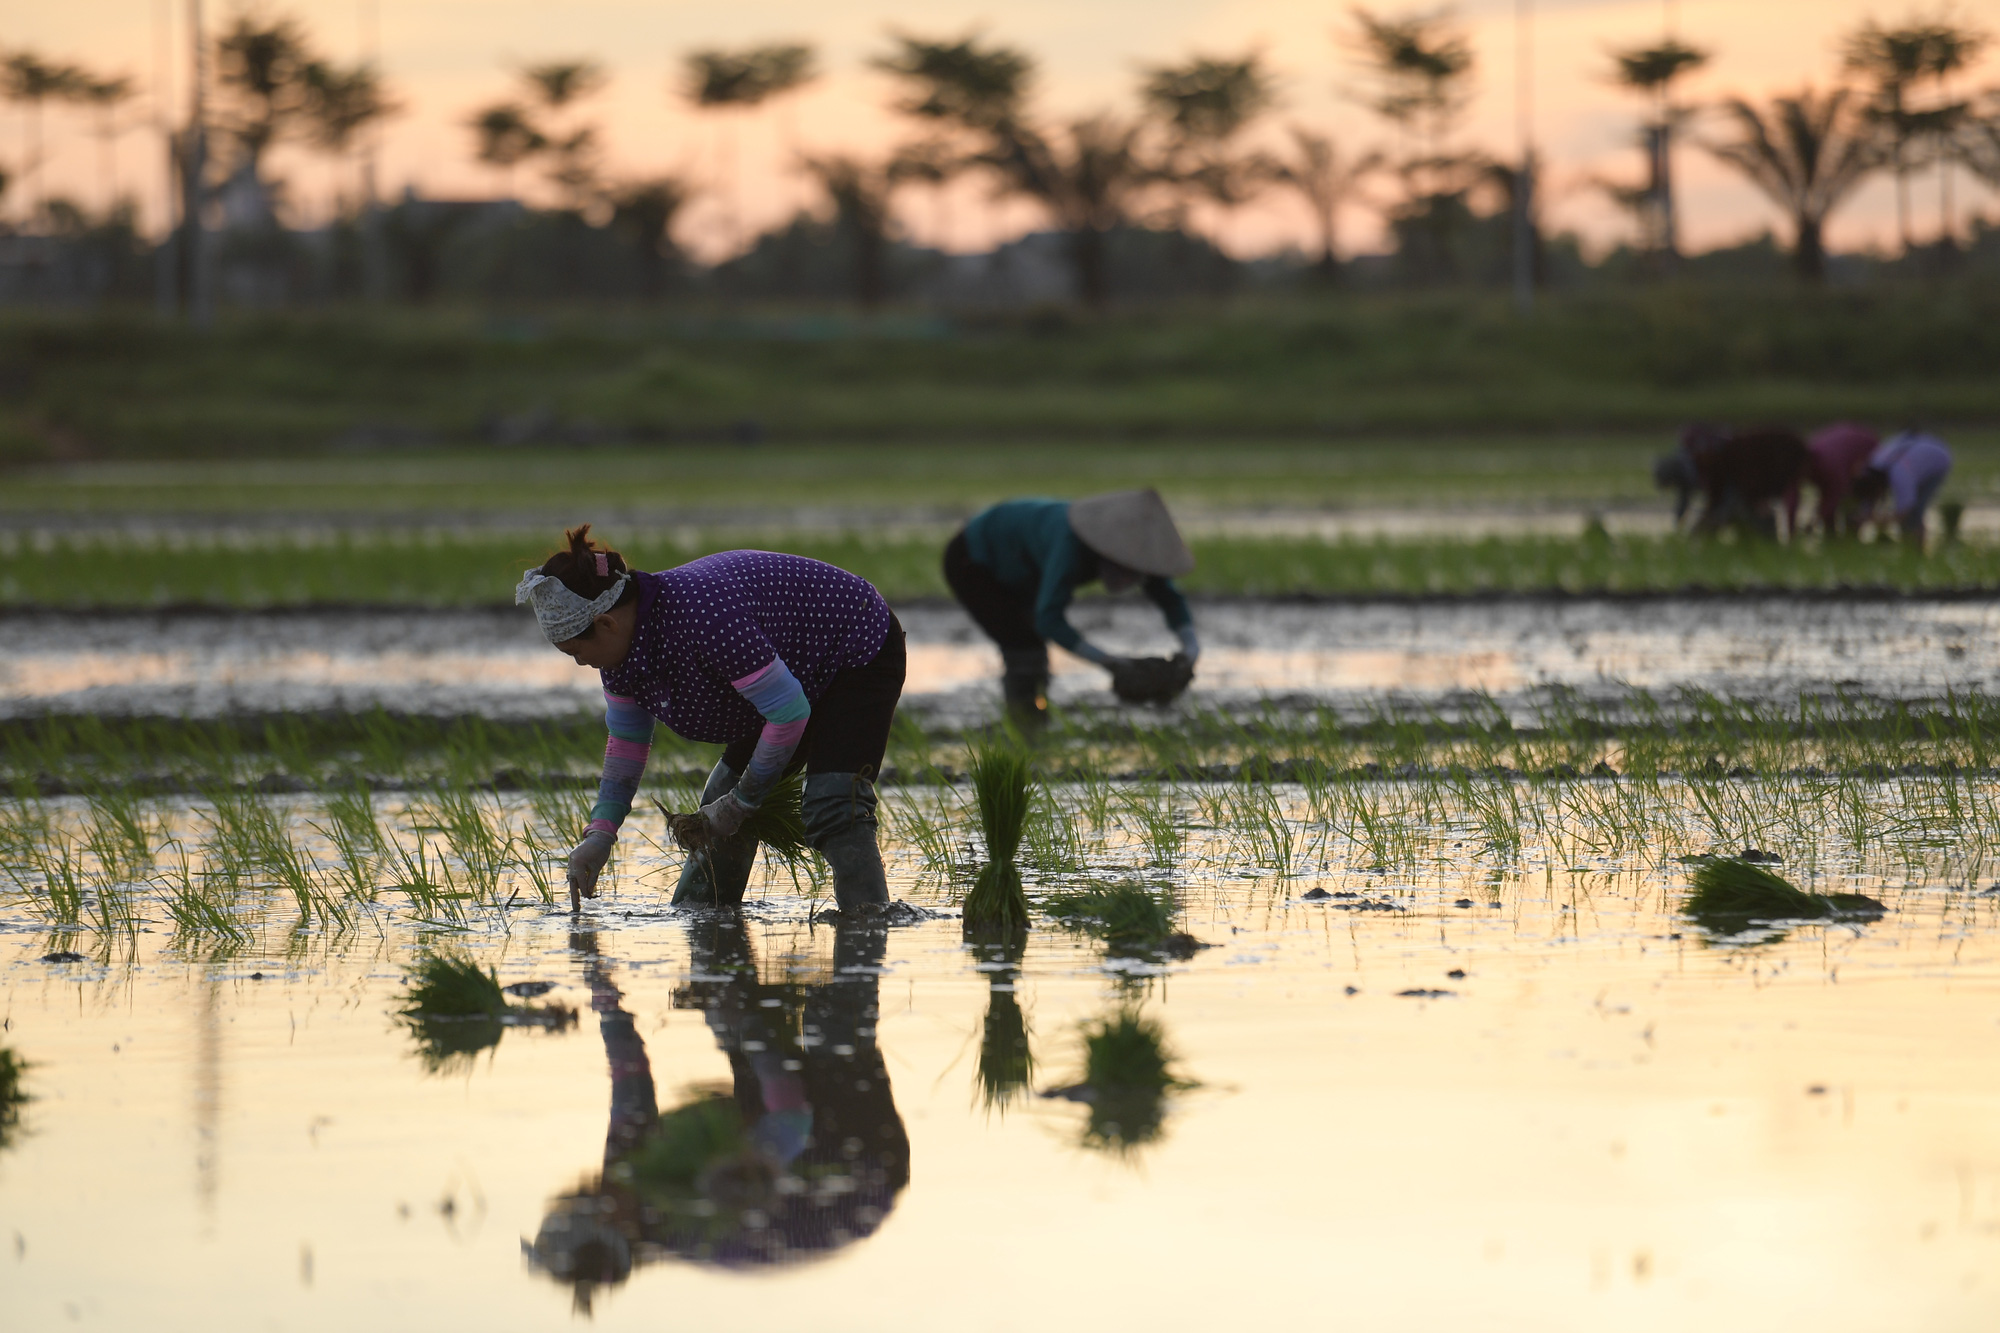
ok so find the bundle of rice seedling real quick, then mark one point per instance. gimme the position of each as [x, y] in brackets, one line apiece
[778, 824]
[1000, 787]
[451, 985]
[1729, 894]
[1127, 917]
[455, 1010]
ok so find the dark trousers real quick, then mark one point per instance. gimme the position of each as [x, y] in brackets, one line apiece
[849, 728]
[1006, 614]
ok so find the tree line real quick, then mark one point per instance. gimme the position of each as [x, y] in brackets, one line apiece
[1191, 141]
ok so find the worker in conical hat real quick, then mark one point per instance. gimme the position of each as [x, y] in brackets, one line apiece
[1016, 567]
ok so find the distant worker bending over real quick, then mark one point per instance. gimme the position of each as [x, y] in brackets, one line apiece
[1835, 456]
[1741, 475]
[1910, 468]
[1016, 567]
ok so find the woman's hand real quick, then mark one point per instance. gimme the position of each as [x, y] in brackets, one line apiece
[586, 862]
[720, 818]
[725, 815]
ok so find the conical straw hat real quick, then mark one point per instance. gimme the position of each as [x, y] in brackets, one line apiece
[1134, 529]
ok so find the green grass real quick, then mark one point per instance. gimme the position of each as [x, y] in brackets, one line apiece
[480, 569]
[282, 384]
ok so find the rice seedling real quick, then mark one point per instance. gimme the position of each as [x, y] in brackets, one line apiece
[1055, 846]
[534, 860]
[453, 1009]
[297, 872]
[1730, 895]
[59, 863]
[448, 984]
[192, 906]
[924, 824]
[996, 901]
[1261, 817]
[13, 1094]
[119, 834]
[355, 835]
[563, 808]
[429, 885]
[1160, 829]
[1129, 918]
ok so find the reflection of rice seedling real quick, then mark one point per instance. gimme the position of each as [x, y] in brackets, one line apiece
[1128, 1071]
[686, 1145]
[1729, 895]
[1129, 918]
[1006, 1061]
[1000, 786]
[13, 1096]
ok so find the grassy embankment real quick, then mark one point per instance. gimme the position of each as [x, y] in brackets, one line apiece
[280, 385]
[356, 422]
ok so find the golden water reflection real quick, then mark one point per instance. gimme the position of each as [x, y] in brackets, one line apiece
[1607, 1121]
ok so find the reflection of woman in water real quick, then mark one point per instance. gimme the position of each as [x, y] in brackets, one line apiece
[803, 1154]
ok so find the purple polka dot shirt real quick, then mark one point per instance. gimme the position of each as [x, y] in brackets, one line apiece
[727, 616]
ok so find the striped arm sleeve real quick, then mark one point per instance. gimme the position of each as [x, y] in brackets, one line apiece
[775, 693]
[625, 752]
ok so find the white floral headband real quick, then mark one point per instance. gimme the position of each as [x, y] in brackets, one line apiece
[562, 614]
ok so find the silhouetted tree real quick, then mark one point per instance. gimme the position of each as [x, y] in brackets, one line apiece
[1808, 153]
[1652, 71]
[1327, 179]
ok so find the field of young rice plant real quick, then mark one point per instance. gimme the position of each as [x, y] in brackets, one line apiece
[298, 1007]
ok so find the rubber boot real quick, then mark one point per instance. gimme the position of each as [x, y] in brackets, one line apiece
[717, 875]
[839, 814]
[1025, 686]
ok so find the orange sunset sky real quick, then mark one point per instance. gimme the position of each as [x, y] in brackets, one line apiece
[446, 57]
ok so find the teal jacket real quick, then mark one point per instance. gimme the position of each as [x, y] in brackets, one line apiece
[1029, 545]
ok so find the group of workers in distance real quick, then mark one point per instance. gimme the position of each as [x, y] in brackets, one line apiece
[1746, 477]
[793, 664]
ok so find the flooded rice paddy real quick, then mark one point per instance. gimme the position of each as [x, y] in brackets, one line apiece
[1437, 1049]
[1343, 654]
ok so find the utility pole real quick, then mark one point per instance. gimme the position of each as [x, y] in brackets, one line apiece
[374, 258]
[194, 190]
[1524, 181]
[167, 257]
